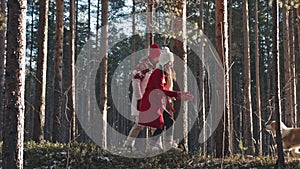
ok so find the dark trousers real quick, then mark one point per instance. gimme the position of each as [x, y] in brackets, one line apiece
[168, 122]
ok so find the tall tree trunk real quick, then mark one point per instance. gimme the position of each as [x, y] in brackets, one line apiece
[229, 86]
[88, 95]
[298, 85]
[71, 83]
[222, 49]
[202, 82]
[286, 52]
[28, 84]
[57, 116]
[257, 70]
[180, 49]
[15, 85]
[277, 88]
[97, 24]
[149, 27]
[81, 132]
[293, 69]
[103, 70]
[40, 94]
[50, 77]
[2, 53]
[248, 137]
[133, 39]
[269, 77]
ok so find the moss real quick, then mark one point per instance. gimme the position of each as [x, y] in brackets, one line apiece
[81, 155]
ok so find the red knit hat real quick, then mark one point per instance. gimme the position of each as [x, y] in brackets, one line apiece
[154, 51]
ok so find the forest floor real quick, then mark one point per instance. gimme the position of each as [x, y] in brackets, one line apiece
[81, 156]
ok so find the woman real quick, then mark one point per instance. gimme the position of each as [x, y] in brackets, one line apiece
[141, 74]
[155, 101]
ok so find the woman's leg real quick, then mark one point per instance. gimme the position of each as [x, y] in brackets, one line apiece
[169, 143]
[134, 132]
[168, 122]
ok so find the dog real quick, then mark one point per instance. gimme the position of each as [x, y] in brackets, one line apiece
[290, 137]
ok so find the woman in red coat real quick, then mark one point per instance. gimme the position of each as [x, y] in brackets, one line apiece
[154, 103]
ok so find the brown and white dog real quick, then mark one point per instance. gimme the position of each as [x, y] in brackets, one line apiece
[290, 137]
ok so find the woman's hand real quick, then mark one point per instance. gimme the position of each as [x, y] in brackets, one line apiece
[186, 96]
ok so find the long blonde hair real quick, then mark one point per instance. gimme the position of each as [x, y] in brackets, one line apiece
[170, 76]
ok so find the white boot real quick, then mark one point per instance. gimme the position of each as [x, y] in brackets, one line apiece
[159, 144]
[170, 144]
[154, 146]
[128, 144]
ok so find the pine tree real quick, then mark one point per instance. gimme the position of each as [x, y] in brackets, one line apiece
[40, 94]
[277, 88]
[71, 82]
[247, 77]
[257, 77]
[103, 70]
[293, 69]
[15, 85]
[2, 53]
[180, 49]
[287, 65]
[57, 126]
[222, 49]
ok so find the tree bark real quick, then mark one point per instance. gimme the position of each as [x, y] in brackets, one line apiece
[248, 137]
[286, 52]
[28, 83]
[2, 53]
[57, 116]
[293, 69]
[229, 86]
[40, 94]
[202, 82]
[71, 85]
[15, 85]
[257, 70]
[103, 71]
[298, 85]
[179, 48]
[277, 88]
[149, 27]
[222, 49]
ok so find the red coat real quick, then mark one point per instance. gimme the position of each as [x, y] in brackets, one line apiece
[152, 104]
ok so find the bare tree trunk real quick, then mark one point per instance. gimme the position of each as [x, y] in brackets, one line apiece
[50, 80]
[133, 40]
[97, 24]
[298, 85]
[88, 95]
[57, 116]
[2, 53]
[229, 86]
[222, 49]
[286, 51]
[293, 69]
[28, 85]
[202, 82]
[15, 85]
[149, 27]
[180, 49]
[257, 70]
[269, 77]
[40, 94]
[103, 70]
[277, 88]
[247, 77]
[71, 85]
[81, 132]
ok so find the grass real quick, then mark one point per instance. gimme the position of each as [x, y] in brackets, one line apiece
[79, 155]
